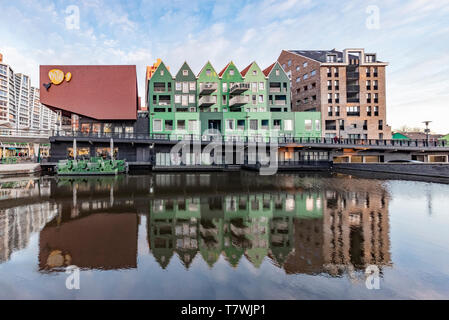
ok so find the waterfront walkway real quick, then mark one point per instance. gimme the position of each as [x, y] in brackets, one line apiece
[19, 168]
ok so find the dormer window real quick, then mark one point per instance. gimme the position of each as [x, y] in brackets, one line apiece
[370, 58]
[331, 58]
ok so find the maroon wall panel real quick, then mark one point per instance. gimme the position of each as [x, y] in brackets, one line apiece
[99, 92]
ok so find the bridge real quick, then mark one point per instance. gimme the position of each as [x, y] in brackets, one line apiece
[25, 135]
[295, 142]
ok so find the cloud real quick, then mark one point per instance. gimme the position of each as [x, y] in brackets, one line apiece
[413, 37]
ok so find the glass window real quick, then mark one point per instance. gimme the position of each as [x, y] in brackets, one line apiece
[265, 124]
[80, 152]
[168, 125]
[178, 86]
[185, 72]
[193, 125]
[192, 85]
[317, 125]
[85, 127]
[305, 64]
[208, 72]
[230, 124]
[308, 125]
[277, 72]
[181, 124]
[253, 124]
[261, 98]
[231, 72]
[107, 128]
[177, 98]
[288, 125]
[129, 129]
[225, 86]
[157, 125]
[192, 98]
[254, 86]
[241, 124]
[261, 86]
[105, 152]
[96, 127]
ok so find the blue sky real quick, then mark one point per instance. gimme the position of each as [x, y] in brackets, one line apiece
[413, 36]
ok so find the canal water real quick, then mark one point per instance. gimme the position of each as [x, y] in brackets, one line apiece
[223, 236]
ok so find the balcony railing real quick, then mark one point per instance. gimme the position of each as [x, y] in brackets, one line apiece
[207, 101]
[238, 101]
[239, 88]
[192, 137]
[208, 87]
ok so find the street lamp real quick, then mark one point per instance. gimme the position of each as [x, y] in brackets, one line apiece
[427, 130]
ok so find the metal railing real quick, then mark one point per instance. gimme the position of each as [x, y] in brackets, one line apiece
[25, 133]
[255, 138]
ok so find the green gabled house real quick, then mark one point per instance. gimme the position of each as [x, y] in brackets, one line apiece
[232, 88]
[160, 90]
[257, 92]
[399, 136]
[278, 88]
[208, 89]
[185, 92]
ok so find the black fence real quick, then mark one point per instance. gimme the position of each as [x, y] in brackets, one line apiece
[253, 139]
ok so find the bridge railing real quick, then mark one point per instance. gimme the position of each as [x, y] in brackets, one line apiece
[249, 139]
[25, 133]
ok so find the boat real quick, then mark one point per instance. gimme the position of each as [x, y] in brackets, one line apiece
[93, 166]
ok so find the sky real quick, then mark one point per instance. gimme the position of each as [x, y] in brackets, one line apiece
[412, 36]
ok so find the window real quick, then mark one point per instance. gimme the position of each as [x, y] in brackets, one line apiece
[185, 87]
[230, 124]
[289, 63]
[192, 85]
[277, 72]
[185, 100]
[254, 72]
[193, 125]
[254, 99]
[313, 73]
[231, 72]
[353, 111]
[329, 111]
[376, 111]
[254, 86]
[337, 97]
[337, 84]
[283, 67]
[162, 72]
[157, 125]
[305, 64]
[288, 124]
[177, 98]
[191, 98]
[277, 124]
[261, 98]
[181, 124]
[317, 125]
[337, 111]
[253, 124]
[107, 128]
[306, 76]
[265, 124]
[298, 68]
[261, 86]
[298, 79]
[368, 111]
[381, 124]
[308, 125]
[208, 72]
[329, 97]
[225, 86]
[185, 72]
[168, 125]
[331, 58]
[241, 124]
[178, 86]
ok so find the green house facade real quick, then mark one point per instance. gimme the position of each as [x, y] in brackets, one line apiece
[253, 103]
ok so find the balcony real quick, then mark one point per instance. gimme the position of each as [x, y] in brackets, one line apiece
[352, 75]
[207, 101]
[353, 88]
[239, 88]
[208, 87]
[238, 101]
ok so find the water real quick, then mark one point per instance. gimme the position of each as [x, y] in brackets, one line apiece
[223, 236]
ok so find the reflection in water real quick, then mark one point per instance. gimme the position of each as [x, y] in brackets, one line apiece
[302, 224]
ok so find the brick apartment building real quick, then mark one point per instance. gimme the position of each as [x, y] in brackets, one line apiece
[348, 88]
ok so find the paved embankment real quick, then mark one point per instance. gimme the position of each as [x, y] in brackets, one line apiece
[440, 170]
[19, 168]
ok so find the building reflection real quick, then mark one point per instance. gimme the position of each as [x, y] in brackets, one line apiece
[302, 231]
[301, 224]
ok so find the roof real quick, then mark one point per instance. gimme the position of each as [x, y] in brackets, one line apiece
[267, 71]
[419, 135]
[320, 55]
[97, 92]
[244, 71]
[224, 69]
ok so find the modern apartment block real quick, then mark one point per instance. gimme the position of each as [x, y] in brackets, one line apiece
[347, 87]
[248, 103]
[20, 106]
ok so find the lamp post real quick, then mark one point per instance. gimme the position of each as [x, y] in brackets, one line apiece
[427, 130]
